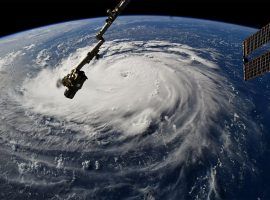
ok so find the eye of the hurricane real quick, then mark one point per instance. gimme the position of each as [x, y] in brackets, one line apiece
[134, 88]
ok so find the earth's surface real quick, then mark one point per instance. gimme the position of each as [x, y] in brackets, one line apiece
[164, 114]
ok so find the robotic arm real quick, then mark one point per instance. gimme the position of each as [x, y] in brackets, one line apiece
[113, 14]
[75, 80]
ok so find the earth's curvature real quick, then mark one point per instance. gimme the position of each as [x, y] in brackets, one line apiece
[164, 114]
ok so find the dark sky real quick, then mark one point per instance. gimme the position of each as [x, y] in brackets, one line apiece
[26, 14]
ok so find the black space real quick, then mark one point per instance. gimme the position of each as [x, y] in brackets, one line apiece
[21, 15]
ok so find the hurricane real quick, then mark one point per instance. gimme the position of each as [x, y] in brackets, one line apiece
[146, 124]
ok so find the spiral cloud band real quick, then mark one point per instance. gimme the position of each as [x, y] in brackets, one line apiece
[132, 87]
[146, 108]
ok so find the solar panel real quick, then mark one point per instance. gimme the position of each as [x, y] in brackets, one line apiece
[257, 66]
[256, 40]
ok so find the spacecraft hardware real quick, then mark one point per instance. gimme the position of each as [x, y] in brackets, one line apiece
[76, 78]
[259, 65]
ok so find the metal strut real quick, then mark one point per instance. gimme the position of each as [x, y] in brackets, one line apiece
[76, 78]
